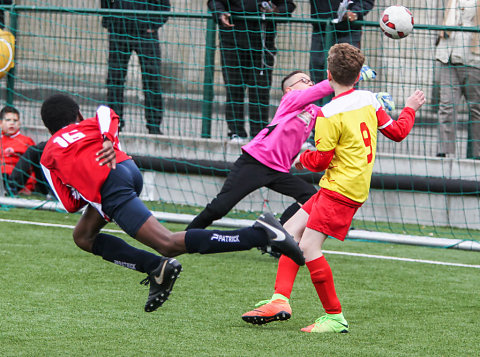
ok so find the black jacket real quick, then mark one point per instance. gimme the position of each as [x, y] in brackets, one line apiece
[327, 9]
[131, 23]
[2, 15]
[247, 8]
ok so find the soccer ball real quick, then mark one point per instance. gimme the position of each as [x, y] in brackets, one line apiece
[396, 22]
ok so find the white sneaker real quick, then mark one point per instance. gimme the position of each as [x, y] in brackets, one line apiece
[235, 139]
[308, 146]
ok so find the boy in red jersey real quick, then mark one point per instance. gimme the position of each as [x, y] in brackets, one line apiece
[13, 145]
[84, 166]
[345, 138]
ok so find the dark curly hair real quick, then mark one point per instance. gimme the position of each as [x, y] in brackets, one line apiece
[58, 111]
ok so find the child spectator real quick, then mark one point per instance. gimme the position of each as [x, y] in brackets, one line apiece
[13, 145]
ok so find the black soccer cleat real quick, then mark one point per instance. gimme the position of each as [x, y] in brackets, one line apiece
[279, 240]
[161, 281]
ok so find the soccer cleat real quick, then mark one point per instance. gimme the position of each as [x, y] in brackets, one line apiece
[279, 240]
[328, 323]
[161, 281]
[268, 311]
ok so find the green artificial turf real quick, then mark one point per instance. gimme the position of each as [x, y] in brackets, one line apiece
[56, 300]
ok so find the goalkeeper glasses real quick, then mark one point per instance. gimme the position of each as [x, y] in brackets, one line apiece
[303, 80]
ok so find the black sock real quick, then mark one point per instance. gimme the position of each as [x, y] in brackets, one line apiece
[289, 212]
[215, 241]
[119, 252]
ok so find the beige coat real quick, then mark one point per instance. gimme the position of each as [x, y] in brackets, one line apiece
[460, 47]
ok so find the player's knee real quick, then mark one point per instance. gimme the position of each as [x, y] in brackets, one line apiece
[82, 240]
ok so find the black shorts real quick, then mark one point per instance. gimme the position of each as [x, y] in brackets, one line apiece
[120, 200]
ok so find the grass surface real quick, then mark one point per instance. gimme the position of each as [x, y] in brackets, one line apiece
[56, 300]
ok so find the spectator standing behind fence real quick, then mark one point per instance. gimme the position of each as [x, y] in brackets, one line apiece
[13, 145]
[343, 14]
[2, 14]
[135, 32]
[458, 60]
[247, 56]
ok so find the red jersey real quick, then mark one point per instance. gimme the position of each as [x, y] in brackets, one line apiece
[69, 159]
[12, 148]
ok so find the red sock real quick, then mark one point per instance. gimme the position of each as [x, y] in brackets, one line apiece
[286, 273]
[322, 279]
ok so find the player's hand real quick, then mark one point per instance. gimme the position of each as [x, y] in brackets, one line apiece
[107, 155]
[386, 101]
[268, 7]
[350, 16]
[366, 73]
[416, 100]
[298, 165]
[224, 19]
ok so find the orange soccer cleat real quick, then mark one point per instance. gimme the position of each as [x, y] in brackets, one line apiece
[268, 311]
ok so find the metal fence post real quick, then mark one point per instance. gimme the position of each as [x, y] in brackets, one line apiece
[208, 78]
[11, 73]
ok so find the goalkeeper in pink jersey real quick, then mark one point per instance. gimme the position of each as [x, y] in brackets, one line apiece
[267, 159]
[345, 139]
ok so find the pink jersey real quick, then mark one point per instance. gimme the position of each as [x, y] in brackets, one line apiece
[278, 144]
[69, 159]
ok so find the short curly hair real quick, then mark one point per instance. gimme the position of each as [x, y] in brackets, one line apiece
[344, 63]
[59, 110]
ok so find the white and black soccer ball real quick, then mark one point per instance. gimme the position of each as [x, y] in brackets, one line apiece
[396, 22]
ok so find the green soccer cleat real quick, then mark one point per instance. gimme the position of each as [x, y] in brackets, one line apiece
[328, 323]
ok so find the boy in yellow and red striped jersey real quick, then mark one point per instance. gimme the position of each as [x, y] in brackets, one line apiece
[346, 140]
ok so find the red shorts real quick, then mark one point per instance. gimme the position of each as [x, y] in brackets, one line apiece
[330, 213]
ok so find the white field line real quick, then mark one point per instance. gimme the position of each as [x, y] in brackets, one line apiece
[371, 256]
[53, 225]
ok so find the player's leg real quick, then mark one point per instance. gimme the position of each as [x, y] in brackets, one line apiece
[113, 249]
[267, 233]
[162, 272]
[331, 215]
[246, 175]
[277, 307]
[293, 186]
[120, 202]
[322, 279]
